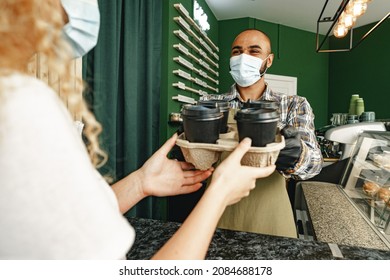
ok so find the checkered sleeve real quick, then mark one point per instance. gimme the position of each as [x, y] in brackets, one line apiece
[310, 163]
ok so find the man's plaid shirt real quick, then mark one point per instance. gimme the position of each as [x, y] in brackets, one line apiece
[293, 110]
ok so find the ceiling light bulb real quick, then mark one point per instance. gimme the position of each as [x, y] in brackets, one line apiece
[357, 7]
[340, 31]
[348, 20]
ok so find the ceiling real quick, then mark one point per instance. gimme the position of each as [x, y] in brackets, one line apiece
[300, 14]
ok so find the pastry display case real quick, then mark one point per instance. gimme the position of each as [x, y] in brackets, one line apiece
[366, 180]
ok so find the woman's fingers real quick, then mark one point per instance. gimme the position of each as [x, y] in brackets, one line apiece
[264, 171]
[195, 177]
[186, 165]
[193, 173]
[241, 149]
[168, 145]
[189, 188]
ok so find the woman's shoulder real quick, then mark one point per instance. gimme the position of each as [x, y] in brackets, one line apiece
[21, 83]
[30, 103]
[26, 93]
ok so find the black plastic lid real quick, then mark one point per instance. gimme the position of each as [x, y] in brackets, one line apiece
[255, 114]
[223, 105]
[261, 104]
[199, 111]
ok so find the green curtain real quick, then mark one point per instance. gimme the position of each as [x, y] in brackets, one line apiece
[123, 74]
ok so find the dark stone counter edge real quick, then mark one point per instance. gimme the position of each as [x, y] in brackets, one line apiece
[234, 245]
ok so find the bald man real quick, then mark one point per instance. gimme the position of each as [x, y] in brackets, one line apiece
[267, 209]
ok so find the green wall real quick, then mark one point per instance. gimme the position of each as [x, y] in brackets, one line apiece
[364, 70]
[295, 55]
[168, 65]
[327, 80]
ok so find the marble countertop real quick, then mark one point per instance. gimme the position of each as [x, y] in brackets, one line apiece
[336, 220]
[235, 245]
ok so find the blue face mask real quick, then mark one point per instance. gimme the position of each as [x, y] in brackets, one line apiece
[83, 27]
[245, 69]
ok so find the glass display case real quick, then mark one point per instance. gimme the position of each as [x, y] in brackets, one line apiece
[366, 180]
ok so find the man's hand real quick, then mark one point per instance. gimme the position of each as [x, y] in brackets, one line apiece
[291, 153]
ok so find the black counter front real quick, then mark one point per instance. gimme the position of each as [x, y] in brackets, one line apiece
[235, 245]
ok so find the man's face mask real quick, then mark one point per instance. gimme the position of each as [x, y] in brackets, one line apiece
[83, 27]
[245, 69]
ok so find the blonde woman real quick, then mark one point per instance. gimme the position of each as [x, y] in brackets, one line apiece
[53, 202]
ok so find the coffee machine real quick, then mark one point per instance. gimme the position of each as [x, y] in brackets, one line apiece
[346, 135]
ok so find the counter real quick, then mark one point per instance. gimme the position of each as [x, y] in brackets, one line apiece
[336, 220]
[349, 201]
[235, 245]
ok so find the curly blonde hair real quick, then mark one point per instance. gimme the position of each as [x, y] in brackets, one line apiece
[35, 26]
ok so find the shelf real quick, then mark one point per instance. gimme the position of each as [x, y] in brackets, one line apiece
[361, 169]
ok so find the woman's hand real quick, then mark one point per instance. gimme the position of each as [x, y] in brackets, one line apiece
[231, 181]
[161, 176]
[234, 181]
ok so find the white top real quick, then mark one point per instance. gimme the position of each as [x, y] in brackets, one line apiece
[53, 203]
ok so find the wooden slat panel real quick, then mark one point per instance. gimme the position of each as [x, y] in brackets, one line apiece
[43, 69]
[32, 66]
[38, 68]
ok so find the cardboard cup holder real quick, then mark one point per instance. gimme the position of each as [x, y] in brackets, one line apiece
[204, 155]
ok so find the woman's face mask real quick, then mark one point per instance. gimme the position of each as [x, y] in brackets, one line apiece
[83, 27]
[245, 69]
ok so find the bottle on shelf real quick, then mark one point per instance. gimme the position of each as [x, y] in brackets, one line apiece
[359, 106]
[352, 104]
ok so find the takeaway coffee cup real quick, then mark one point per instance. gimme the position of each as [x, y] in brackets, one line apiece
[201, 124]
[258, 124]
[261, 104]
[223, 107]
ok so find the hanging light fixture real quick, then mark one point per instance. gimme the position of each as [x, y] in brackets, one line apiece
[348, 16]
[357, 8]
[340, 30]
[343, 22]
[347, 19]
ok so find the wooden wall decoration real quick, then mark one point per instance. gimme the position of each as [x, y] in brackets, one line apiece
[198, 63]
[38, 68]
